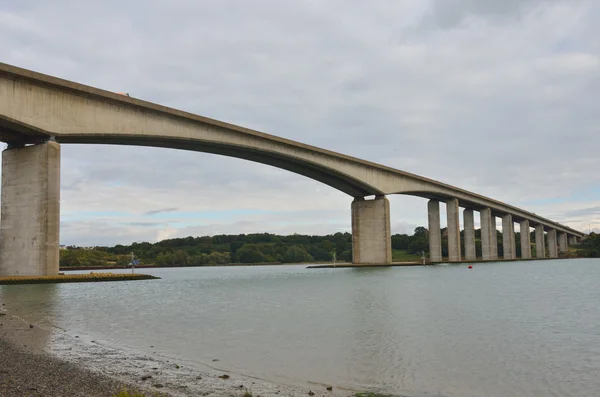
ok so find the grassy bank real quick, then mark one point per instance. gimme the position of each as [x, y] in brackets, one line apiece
[74, 278]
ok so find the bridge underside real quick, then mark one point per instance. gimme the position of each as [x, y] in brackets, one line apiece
[16, 133]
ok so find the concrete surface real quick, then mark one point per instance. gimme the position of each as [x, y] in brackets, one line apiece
[540, 242]
[489, 239]
[469, 235]
[525, 240]
[552, 244]
[29, 232]
[563, 246]
[371, 236]
[435, 234]
[452, 216]
[508, 237]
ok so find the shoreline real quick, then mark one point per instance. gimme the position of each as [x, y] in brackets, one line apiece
[37, 360]
[125, 267]
[27, 369]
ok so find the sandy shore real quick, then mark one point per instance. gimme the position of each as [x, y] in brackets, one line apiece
[26, 370]
[49, 362]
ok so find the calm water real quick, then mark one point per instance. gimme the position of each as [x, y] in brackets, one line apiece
[501, 329]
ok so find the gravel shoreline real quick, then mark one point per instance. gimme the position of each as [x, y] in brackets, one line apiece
[35, 361]
[26, 370]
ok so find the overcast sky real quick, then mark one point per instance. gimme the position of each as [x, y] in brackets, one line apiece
[497, 97]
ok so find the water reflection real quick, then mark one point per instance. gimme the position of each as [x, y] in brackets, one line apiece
[34, 303]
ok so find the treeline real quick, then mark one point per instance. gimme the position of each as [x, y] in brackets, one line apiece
[220, 249]
[271, 248]
[590, 247]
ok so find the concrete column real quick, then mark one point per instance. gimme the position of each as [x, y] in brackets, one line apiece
[435, 233]
[29, 231]
[562, 242]
[540, 242]
[485, 221]
[508, 237]
[489, 241]
[493, 237]
[469, 224]
[452, 214]
[525, 240]
[552, 244]
[371, 237]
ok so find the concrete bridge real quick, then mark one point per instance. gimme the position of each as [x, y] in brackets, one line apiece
[38, 113]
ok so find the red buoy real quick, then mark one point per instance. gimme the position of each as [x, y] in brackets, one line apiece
[470, 266]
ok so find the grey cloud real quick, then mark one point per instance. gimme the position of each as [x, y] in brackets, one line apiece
[144, 224]
[449, 13]
[160, 211]
[504, 109]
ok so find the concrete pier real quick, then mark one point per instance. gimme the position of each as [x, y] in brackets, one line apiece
[485, 219]
[525, 240]
[371, 236]
[508, 237]
[29, 231]
[469, 225]
[435, 233]
[563, 246]
[452, 215]
[552, 244]
[493, 237]
[540, 242]
[489, 241]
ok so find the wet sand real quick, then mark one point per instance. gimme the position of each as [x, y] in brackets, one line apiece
[26, 370]
[50, 362]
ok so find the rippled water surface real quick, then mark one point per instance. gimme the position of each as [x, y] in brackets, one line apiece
[501, 329]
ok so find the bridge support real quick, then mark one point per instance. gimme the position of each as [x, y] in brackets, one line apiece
[452, 215]
[508, 237]
[489, 240]
[525, 240]
[371, 236]
[29, 231]
[552, 246]
[563, 246]
[469, 222]
[435, 232]
[540, 242]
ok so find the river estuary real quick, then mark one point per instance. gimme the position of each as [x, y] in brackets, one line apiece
[500, 329]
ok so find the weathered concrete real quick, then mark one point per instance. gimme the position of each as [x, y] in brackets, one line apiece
[552, 244]
[572, 240]
[489, 239]
[525, 240]
[508, 237]
[469, 235]
[493, 237]
[452, 216]
[34, 105]
[29, 235]
[435, 233]
[371, 237]
[485, 219]
[563, 246]
[540, 242]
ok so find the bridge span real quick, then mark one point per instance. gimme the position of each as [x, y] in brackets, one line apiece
[38, 113]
